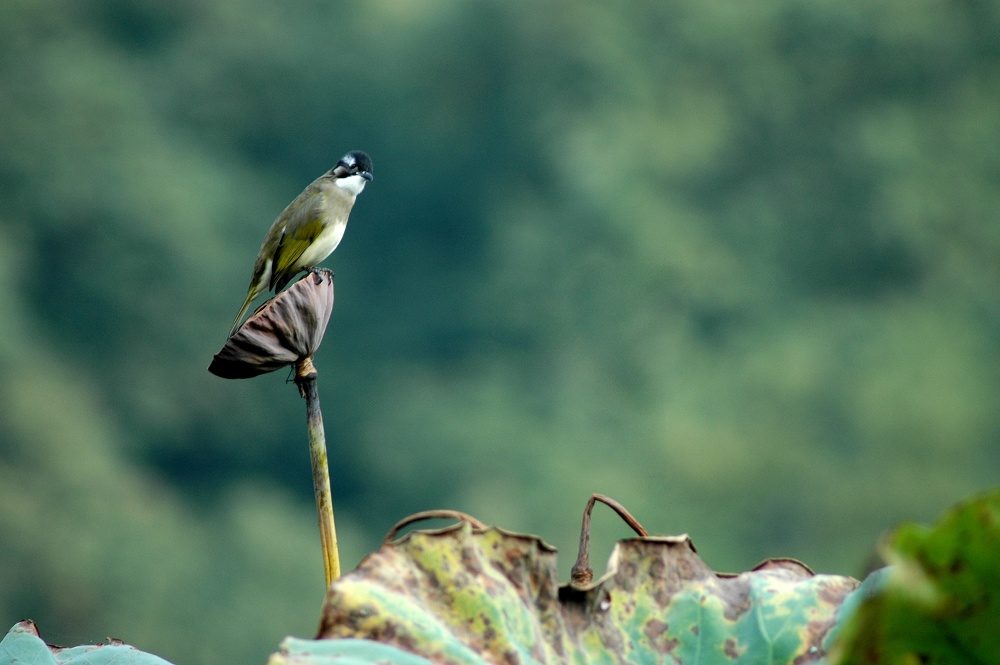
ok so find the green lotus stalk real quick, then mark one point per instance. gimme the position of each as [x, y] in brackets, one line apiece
[305, 379]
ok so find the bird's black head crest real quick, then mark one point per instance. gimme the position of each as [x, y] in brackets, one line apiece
[354, 163]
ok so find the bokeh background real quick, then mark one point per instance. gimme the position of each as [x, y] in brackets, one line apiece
[735, 264]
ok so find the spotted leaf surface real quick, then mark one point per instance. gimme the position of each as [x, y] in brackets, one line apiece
[465, 595]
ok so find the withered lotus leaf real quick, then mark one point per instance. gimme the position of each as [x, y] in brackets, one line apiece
[284, 330]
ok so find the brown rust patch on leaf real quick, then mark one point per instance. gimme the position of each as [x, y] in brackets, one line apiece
[732, 649]
[656, 632]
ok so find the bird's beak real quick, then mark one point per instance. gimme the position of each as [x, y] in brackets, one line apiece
[366, 175]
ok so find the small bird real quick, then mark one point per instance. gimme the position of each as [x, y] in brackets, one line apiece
[309, 229]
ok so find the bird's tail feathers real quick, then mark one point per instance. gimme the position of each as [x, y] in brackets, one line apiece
[243, 310]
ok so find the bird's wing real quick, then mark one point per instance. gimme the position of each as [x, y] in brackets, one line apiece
[305, 223]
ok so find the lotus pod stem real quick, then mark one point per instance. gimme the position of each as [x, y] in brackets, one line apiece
[306, 379]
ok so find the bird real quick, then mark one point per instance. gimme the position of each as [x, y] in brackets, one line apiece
[309, 229]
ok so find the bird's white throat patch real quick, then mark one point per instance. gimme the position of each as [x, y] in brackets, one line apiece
[352, 183]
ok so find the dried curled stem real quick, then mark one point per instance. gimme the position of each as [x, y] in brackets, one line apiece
[581, 573]
[430, 515]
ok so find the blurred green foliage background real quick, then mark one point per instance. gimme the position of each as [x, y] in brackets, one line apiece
[734, 264]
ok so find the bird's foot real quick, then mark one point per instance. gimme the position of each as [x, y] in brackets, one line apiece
[316, 270]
